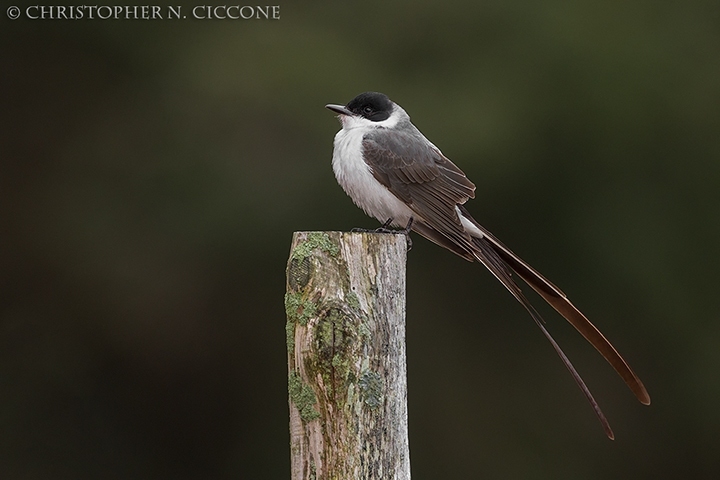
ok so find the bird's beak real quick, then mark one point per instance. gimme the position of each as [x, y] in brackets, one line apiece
[338, 109]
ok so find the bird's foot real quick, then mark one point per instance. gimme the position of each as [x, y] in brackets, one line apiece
[385, 228]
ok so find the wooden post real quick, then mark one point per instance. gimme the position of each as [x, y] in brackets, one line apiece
[347, 382]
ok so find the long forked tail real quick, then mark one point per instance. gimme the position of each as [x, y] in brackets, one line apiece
[486, 255]
[492, 247]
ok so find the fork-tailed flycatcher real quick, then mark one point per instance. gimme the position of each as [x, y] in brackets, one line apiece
[398, 176]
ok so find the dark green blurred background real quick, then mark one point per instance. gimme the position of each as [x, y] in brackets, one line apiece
[152, 174]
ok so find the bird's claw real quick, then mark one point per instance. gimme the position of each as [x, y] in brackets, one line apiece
[385, 229]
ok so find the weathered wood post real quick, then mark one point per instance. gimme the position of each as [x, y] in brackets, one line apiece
[347, 382]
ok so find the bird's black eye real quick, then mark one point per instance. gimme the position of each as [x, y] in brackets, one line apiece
[367, 110]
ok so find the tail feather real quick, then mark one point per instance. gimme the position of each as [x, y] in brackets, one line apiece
[484, 247]
[486, 254]
[557, 299]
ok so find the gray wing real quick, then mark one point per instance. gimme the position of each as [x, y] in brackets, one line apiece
[433, 187]
[430, 184]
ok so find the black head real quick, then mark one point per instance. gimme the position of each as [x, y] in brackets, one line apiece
[372, 105]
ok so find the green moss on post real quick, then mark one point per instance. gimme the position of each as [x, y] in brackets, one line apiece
[302, 397]
[312, 241]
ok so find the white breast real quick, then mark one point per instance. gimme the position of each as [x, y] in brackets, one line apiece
[356, 178]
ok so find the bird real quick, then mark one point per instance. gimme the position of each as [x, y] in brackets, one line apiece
[396, 175]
